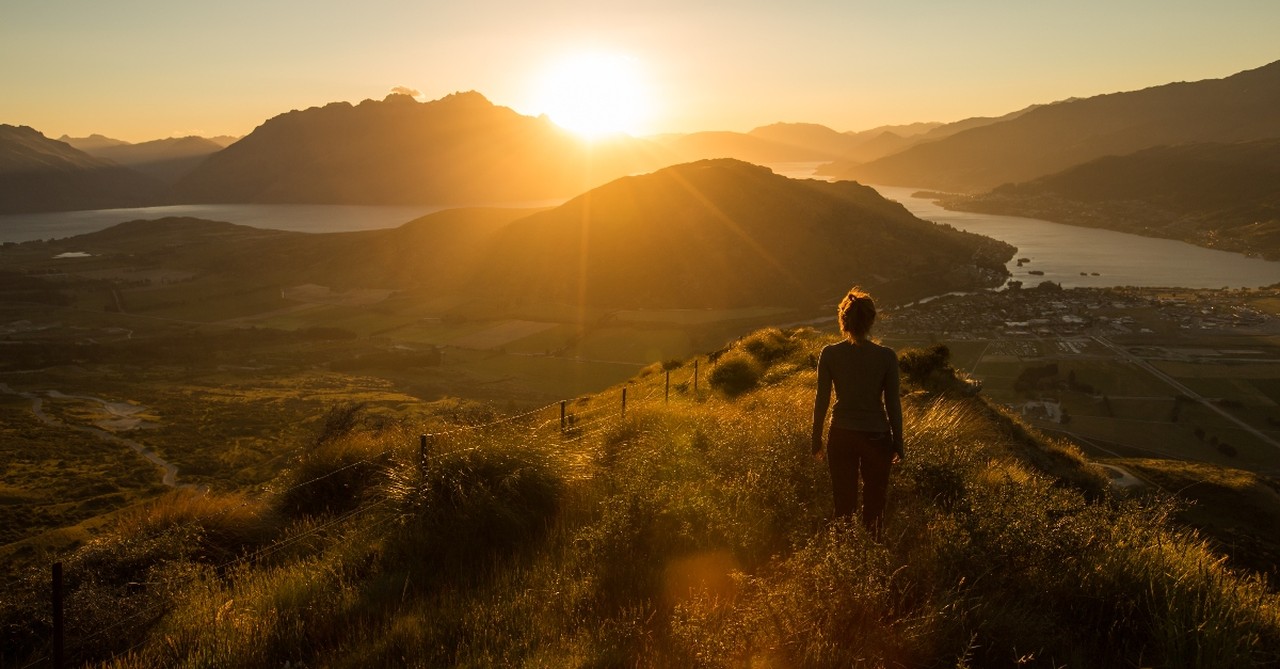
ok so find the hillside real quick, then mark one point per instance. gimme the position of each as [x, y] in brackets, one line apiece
[166, 160]
[692, 532]
[40, 174]
[461, 149]
[1224, 196]
[723, 233]
[1051, 138]
[713, 234]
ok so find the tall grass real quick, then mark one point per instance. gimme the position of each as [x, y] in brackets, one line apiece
[697, 534]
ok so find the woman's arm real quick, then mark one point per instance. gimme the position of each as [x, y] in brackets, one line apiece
[821, 401]
[893, 401]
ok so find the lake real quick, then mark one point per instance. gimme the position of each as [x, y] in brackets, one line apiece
[1062, 252]
[293, 217]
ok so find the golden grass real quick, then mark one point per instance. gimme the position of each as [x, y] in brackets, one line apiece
[696, 534]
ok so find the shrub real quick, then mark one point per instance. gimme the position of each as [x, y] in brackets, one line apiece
[340, 420]
[475, 502]
[769, 345]
[223, 525]
[735, 373]
[919, 363]
[930, 369]
[334, 476]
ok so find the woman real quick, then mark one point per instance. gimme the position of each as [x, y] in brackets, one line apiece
[866, 423]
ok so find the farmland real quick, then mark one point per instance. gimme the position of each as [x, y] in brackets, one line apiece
[1185, 375]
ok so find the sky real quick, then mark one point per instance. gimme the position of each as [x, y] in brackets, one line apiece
[145, 69]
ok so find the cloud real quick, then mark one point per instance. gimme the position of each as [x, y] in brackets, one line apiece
[405, 90]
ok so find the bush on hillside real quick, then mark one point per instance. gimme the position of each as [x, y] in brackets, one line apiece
[224, 525]
[735, 373]
[334, 476]
[920, 365]
[769, 345]
[930, 369]
[341, 420]
[476, 502]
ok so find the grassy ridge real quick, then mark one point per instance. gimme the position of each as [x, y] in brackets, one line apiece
[693, 533]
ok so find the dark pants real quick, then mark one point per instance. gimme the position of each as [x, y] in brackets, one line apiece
[850, 453]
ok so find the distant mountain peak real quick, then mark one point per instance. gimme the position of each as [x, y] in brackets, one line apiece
[94, 141]
[784, 125]
[466, 100]
[1045, 139]
[459, 149]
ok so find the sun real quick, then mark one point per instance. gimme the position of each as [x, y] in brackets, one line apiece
[595, 94]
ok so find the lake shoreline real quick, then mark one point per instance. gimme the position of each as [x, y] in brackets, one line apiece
[1077, 256]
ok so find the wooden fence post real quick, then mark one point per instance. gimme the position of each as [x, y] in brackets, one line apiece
[422, 455]
[666, 393]
[562, 405]
[57, 616]
[695, 376]
[624, 402]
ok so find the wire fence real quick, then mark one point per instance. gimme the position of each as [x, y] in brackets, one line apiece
[579, 420]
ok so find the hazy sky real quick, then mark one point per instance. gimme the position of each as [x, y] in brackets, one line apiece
[143, 69]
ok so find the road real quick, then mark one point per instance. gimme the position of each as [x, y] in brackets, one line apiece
[1177, 385]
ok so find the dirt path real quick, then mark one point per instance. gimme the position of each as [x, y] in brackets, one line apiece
[170, 476]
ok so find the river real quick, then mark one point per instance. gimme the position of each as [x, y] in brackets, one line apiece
[1075, 256]
[292, 217]
[105, 430]
[1064, 252]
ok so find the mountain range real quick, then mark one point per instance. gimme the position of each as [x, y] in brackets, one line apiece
[461, 149]
[1051, 138]
[166, 160]
[41, 174]
[1224, 196]
[465, 150]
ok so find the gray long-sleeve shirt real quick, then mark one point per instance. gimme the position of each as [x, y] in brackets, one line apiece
[865, 378]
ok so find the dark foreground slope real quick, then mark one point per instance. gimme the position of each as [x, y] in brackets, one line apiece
[461, 149]
[1051, 138]
[692, 533]
[1224, 196]
[726, 233]
[41, 174]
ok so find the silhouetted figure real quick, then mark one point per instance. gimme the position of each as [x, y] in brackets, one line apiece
[866, 424]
